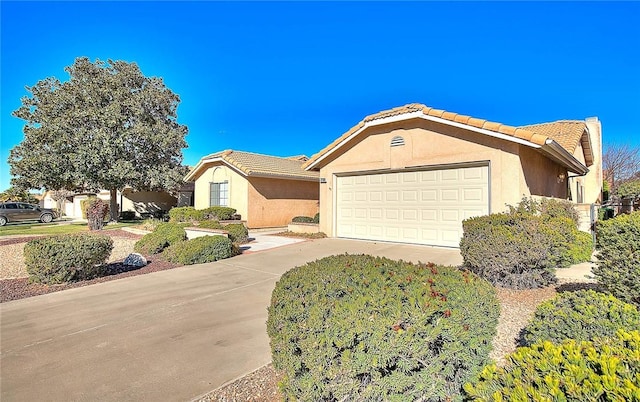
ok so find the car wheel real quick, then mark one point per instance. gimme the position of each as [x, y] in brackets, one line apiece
[3, 221]
[46, 218]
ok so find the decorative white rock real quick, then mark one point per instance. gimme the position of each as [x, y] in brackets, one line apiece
[135, 260]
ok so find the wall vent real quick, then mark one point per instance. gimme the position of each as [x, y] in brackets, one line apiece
[397, 141]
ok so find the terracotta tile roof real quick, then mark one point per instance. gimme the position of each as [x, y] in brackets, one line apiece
[252, 164]
[567, 133]
[517, 132]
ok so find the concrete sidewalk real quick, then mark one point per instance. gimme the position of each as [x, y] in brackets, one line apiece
[169, 336]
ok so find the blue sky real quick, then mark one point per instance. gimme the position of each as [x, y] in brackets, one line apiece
[288, 78]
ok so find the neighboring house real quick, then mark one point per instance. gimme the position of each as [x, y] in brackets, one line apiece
[267, 191]
[185, 195]
[413, 173]
[143, 203]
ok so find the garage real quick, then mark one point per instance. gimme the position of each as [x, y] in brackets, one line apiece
[425, 206]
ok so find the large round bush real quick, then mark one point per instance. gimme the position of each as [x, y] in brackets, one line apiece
[521, 249]
[582, 315]
[200, 250]
[607, 369]
[65, 258]
[162, 237]
[238, 232]
[618, 245]
[365, 328]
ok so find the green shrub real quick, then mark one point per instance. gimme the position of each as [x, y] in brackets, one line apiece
[581, 248]
[162, 237]
[185, 214]
[607, 369]
[618, 267]
[128, 215]
[629, 189]
[546, 207]
[65, 258]
[522, 248]
[316, 218]
[365, 328]
[149, 224]
[219, 213]
[302, 219]
[210, 225]
[508, 250]
[582, 315]
[190, 214]
[567, 245]
[200, 250]
[238, 232]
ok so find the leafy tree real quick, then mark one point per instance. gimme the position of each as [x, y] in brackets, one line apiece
[629, 189]
[107, 127]
[17, 195]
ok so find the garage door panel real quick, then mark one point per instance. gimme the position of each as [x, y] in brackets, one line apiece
[449, 175]
[424, 207]
[449, 195]
[449, 216]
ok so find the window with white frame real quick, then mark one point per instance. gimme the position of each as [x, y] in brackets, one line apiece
[219, 194]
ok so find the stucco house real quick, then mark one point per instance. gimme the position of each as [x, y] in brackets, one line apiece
[413, 173]
[267, 191]
[142, 203]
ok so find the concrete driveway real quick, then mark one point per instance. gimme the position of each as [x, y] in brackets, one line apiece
[170, 336]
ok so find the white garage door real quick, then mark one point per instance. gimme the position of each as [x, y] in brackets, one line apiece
[421, 207]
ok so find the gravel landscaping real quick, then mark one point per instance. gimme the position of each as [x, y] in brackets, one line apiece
[14, 281]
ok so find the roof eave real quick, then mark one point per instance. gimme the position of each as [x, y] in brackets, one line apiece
[204, 161]
[557, 153]
[420, 115]
[283, 177]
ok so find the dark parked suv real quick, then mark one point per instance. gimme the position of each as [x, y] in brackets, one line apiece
[20, 211]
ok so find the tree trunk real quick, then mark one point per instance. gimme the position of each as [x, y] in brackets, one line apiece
[113, 205]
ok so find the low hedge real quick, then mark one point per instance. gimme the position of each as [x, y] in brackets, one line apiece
[581, 315]
[618, 266]
[302, 219]
[219, 213]
[190, 214]
[316, 218]
[238, 232]
[185, 214]
[65, 258]
[200, 250]
[162, 237]
[607, 369]
[356, 327]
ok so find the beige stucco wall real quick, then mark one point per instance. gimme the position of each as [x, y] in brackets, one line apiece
[274, 202]
[515, 170]
[216, 173]
[146, 201]
[592, 181]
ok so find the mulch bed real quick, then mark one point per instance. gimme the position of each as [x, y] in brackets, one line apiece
[20, 288]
